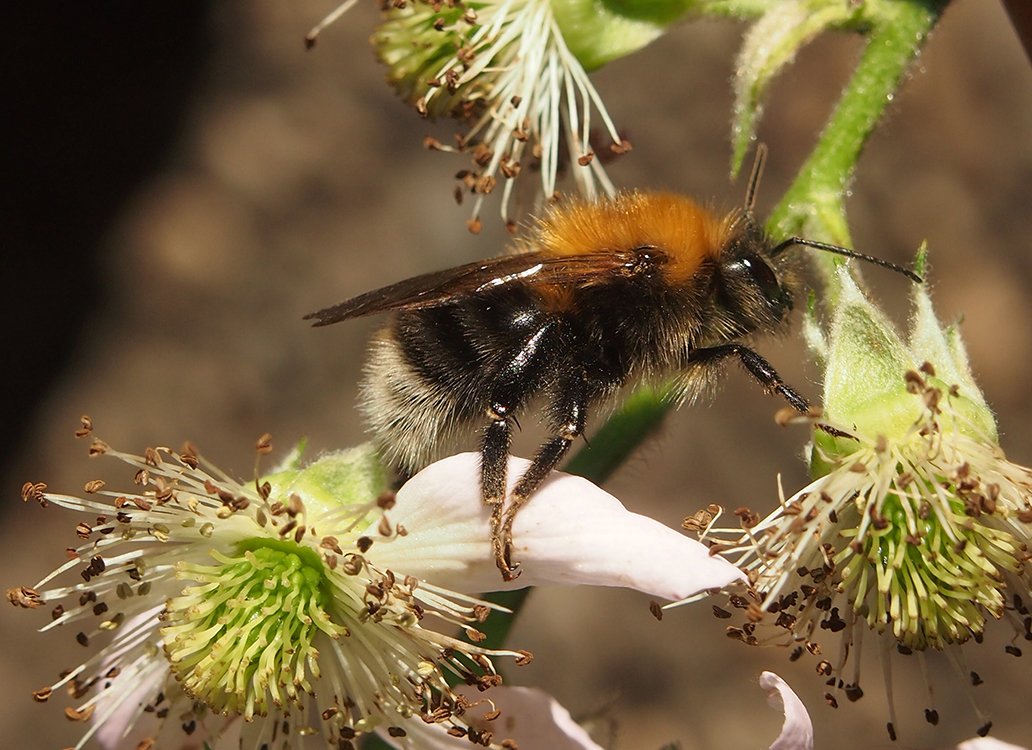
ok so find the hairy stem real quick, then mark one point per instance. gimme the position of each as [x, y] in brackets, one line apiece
[813, 206]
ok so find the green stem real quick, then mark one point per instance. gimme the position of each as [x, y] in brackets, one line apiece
[813, 205]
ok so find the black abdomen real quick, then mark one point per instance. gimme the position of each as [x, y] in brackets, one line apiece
[435, 374]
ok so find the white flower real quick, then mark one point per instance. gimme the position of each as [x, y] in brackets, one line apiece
[300, 602]
[505, 68]
[916, 525]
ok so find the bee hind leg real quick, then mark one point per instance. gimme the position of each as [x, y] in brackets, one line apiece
[519, 377]
[568, 415]
[494, 457]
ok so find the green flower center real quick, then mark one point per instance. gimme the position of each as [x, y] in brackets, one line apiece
[416, 43]
[929, 571]
[243, 636]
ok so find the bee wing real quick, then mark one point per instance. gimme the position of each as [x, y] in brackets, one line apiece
[441, 287]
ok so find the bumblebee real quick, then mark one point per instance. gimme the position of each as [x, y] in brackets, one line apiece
[601, 296]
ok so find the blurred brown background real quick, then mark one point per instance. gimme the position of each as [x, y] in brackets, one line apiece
[183, 182]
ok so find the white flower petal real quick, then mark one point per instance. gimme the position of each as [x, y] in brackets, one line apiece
[571, 532]
[797, 731]
[529, 716]
[988, 743]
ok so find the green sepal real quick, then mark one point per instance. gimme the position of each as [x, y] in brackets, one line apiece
[348, 477]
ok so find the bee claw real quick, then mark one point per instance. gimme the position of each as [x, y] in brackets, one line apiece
[510, 570]
[503, 557]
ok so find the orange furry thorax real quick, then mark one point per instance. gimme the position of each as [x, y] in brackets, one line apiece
[688, 232]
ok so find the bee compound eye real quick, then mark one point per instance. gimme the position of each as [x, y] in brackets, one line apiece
[761, 274]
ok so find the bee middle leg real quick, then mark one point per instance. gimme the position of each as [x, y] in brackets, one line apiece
[567, 416]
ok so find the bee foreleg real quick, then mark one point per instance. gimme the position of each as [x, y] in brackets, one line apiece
[567, 415]
[757, 366]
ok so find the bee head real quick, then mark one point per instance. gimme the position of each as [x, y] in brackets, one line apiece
[753, 287]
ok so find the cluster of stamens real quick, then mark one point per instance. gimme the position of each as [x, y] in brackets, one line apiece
[921, 539]
[217, 598]
[504, 69]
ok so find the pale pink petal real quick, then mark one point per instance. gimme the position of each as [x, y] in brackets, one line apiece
[120, 718]
[571, 532]
[988, 743]
[797, 731]
[530, 717]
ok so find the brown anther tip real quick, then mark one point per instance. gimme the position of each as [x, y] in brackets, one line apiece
[747, 517]
[474, 225]
[35, 491]
[24, 597]
[524, 658]
[585, 159]
[914, 382]
[983, 730]
[85, 426]
[42, 695]
[74, 715]
[656, 609]
[264, 444]
[310, 40]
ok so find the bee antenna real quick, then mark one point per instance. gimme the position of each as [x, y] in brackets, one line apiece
[839, 250]
[754, 178]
